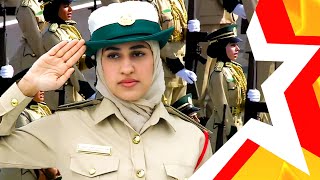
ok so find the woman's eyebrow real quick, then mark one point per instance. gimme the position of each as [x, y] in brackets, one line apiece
[137, 47]
[111, 48]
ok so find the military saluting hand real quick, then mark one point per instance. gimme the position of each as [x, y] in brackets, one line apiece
[53, 68]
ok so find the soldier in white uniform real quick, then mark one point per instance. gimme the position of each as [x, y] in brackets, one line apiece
[129, 133]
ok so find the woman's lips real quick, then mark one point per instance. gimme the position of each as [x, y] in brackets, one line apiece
[128, 82]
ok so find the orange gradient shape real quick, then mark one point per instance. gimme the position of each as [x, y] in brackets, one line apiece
[287, 173]
[303, 15]
[293, 9]
[316, 88]
[264, 165]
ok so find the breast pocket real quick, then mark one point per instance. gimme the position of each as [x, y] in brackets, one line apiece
[94, 166]
[178, 172]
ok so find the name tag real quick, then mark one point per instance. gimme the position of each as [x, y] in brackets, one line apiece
[96, 149]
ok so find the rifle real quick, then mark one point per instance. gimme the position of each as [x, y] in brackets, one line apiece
[193, 50]
[251, 108]
[220, 127]
[5, 82]
[94, 7]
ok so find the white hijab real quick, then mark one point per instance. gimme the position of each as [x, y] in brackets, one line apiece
[136, 113]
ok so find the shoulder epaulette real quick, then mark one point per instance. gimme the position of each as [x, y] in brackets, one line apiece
[218, 66]
[227, 73]
[178, 113]
[25, 3]
[71, 22]
[79, 104]
[53, 27]
[236, 63]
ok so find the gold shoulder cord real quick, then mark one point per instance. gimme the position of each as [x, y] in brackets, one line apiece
[241, 82]
[41, 109]
[179, 16]
[75, 33]
[44, 110]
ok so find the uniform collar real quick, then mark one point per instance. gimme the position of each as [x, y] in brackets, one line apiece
[106, 108]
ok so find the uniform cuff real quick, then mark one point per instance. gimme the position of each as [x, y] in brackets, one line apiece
[174, 65]
[13, 98]
[229, 5]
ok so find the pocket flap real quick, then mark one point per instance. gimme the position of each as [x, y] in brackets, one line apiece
[178, 171]
[92, 165]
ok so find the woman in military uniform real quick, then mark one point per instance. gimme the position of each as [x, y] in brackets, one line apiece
[31, 22]
[129, 133]
[58, 13]
[227, 86]
[172, 13]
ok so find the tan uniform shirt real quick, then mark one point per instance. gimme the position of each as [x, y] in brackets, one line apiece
[249, 7]
[30, 20]
[167, 147]
[223, 92]
[211, 12]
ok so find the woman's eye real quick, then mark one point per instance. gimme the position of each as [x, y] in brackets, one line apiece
[138, 54]
[113, 56]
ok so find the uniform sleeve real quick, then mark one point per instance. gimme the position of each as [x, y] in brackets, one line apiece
[208, 153]
[229, 5]
[218, 94]
[174, 65]
[12, 103]
[249, 7]
[49, 39]
[29, 27]
[22, 148]
[30, 147]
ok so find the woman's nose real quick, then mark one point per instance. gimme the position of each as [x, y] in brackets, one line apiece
[127, 67]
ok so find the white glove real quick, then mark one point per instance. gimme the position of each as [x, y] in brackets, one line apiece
[187, 75]
[254, 95]
[194, 25]
[239, 10]
[93, 96]
[6, 71]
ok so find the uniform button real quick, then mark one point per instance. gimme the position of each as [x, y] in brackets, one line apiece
[14, 102]
[92, 171]
[140, 173]
[136, 139]
[33, 55]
